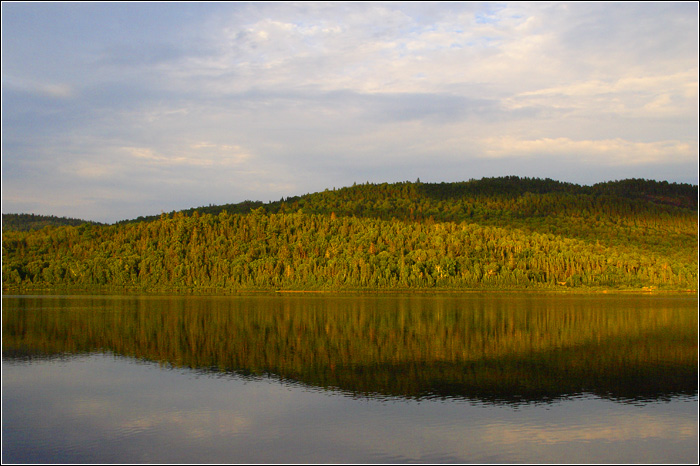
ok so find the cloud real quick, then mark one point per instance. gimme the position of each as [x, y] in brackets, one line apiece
[146, 96]
[651, 95]
[610, 152]
[42, 89]
[196, 154]
[684, 82]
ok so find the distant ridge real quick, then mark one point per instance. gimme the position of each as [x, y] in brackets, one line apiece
[27, 222]
[682, 195]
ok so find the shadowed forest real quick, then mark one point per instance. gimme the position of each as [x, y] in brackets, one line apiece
[493, 233]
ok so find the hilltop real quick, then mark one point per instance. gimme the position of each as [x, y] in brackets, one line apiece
[493, 233]
[363, 199]
[27, 222]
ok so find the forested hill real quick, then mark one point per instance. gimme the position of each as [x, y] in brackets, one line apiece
[494, 233]
[411, 200]
[25, 222]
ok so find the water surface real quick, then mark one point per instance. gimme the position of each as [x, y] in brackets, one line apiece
[350, 378]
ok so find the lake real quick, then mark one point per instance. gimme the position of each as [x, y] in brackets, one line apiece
[350, 378]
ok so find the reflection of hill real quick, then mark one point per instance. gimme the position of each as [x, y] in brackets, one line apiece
[496, 348]
[513, 380]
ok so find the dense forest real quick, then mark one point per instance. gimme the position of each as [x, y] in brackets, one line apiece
[493, 233]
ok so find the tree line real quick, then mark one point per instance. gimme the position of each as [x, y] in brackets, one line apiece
[494, 233]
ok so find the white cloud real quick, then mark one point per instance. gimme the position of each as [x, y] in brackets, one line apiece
[48, 89]
[300, 92]
[624, 94]
[195, 154]
[611, 152]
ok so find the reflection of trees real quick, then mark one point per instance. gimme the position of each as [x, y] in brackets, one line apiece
[499, 348]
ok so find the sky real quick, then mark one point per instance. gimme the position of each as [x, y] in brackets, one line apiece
[111, 111]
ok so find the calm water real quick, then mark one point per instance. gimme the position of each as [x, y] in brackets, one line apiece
[497, 378]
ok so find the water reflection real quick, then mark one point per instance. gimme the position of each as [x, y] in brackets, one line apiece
[101, 408]
[511, 349]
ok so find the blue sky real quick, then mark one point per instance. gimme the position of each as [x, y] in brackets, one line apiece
[115, 110]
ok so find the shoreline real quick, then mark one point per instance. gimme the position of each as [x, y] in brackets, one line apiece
[121, 291]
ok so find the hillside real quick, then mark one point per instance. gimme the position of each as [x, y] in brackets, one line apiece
[494, 233]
